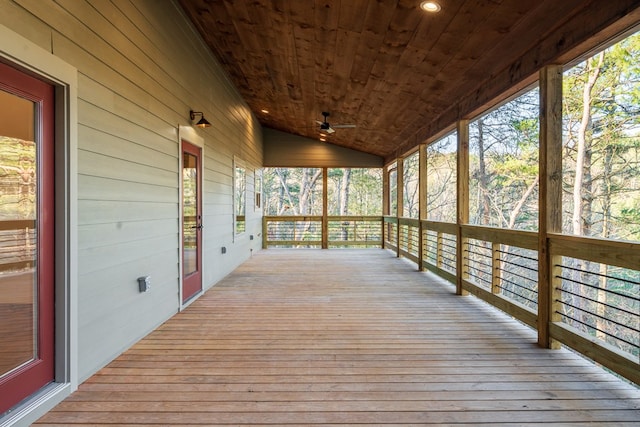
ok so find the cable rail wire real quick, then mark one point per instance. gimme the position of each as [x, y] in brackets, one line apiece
[566, 316]
[633, 282]
[519, 285]
[475, 261]
[634, 314]
[518, 255]
[519, 295]
[611, 291]
[481, 279]
[513, 273]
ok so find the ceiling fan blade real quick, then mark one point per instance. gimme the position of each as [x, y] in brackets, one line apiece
[329, 130]
[319, 122]
[343, 126]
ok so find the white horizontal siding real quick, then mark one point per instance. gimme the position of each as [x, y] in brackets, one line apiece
[141, 68]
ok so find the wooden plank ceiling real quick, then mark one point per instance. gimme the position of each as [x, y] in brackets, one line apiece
[388, 67]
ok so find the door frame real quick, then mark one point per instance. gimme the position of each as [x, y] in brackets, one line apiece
[188, 134]
[39, 371]
[26, 56]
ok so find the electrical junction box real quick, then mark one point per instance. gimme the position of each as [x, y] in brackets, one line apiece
[144, 283]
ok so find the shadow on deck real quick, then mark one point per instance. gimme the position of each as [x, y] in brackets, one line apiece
[307, 337]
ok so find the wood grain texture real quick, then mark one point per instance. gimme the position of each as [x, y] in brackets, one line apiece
[400, 74]
[344, 337]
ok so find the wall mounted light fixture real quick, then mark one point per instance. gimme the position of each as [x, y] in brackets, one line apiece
[202, 123]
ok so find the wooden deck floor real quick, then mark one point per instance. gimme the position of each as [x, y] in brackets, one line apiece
[343, 337]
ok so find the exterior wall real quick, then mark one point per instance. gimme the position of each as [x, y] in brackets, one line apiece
[283, 149]
[141, 68]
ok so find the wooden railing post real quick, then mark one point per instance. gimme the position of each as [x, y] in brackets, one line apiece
[462, 201]
[550, 195]
[496, 266]
[439, 248]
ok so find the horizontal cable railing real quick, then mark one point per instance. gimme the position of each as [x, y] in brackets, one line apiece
[500, 266]
[354, 232]
[307, 231]
[390, 232]
[517, 272]
[292, 231]
[596, 300]
[409, 239]
[439, 248]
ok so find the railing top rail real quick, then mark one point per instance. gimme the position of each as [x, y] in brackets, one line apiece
[293, 218]
[519, 238]
[390, 219]
[611, 252]
[372, 218]
[409, 221]
[442, 227]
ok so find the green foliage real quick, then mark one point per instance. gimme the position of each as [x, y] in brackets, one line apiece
[441, 179]
[17, 179]
[611, 131]
[504, 165]
[298, 191]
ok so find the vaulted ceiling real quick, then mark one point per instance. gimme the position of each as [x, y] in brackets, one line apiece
[395, 71]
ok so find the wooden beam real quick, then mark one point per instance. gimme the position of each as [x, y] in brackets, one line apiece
[325, 208]
[422, 201]
[462, 201]
[385, 204]
[550, 197]
[399, 197]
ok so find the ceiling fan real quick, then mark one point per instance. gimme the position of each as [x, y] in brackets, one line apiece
[328, 128]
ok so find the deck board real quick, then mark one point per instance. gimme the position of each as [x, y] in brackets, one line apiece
[341, 337]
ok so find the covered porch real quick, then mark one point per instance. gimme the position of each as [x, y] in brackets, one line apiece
[352, 336]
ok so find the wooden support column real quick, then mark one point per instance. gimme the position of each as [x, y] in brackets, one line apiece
[325, 208]
[385, 203]
[550, 198]
[385, 193]
[422, 201]
[462, 201]
[399, 198]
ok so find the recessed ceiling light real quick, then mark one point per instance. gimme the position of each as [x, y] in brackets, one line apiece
[265, 111]
[430, 6]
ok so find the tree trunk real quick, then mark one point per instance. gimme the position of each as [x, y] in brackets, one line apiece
[601, 324]
[584, 147]
[484, 214]
[582, 188]
[307, 185]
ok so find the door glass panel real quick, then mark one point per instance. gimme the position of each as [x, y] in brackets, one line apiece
[190, 207]
[18, 238]
[241, 198]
